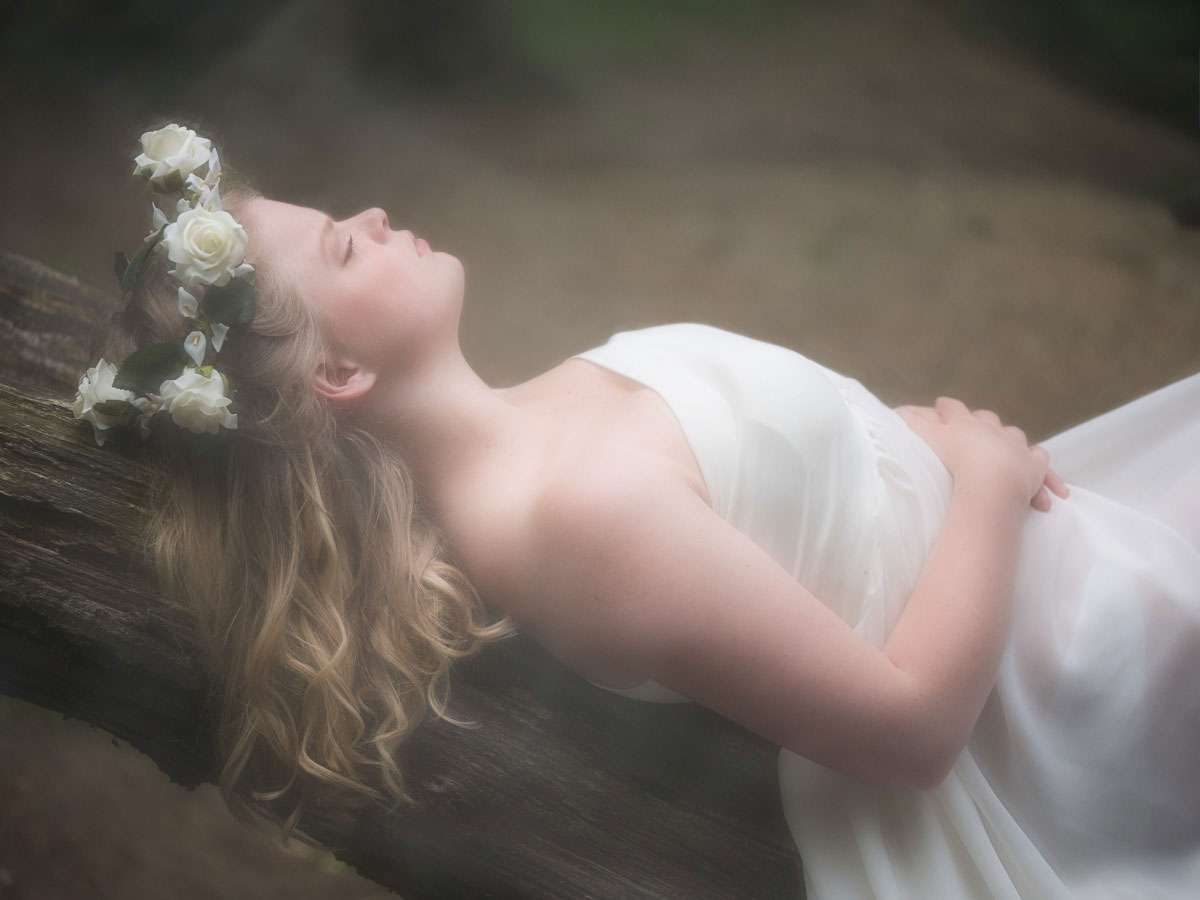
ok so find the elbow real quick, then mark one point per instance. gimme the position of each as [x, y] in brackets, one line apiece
[917, 755]
[916, 772]
[930, 760]
[929, 772]
[927, 740]
[901, 761]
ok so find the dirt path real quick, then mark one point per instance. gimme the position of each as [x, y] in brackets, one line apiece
[861, 181]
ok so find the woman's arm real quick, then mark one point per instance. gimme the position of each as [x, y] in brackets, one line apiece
[952, 632]
[641, 571]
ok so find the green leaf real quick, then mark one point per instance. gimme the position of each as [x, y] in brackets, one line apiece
[121, 408]
[120, 264]
[232, 304]
[146, 370]
[134, 269]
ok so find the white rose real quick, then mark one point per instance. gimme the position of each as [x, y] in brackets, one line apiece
[95, 387]
[170, 155]
[207, 247]
[197, 402]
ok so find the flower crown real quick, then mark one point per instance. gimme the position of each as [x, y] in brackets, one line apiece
[216, 292]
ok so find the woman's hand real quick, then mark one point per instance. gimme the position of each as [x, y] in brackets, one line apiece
[976, 444]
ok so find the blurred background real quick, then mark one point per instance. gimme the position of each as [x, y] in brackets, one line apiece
[977, 197]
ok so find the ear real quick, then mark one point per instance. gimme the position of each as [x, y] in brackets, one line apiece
[342, 381]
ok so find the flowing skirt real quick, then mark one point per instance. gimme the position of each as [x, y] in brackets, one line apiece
[1082, 777]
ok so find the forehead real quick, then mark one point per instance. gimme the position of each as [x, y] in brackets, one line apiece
[286, 245]
[282, 233]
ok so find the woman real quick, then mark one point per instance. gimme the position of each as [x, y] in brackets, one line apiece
[974, 698]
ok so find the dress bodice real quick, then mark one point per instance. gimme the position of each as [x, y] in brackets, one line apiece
[805, 462]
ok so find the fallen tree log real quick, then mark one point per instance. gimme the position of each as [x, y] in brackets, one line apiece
[564, 791]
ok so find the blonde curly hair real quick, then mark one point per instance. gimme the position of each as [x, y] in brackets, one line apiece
[324, 594]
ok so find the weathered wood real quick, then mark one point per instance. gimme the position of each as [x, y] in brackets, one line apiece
[564, 791]
[46, 324]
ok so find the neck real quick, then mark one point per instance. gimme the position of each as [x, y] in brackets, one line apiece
[443, 418]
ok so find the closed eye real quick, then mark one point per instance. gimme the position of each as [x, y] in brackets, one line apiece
[349, 251]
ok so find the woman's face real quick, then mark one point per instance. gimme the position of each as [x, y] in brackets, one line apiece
[380, 296]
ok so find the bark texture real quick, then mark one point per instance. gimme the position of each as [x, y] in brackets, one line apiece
[564, 791]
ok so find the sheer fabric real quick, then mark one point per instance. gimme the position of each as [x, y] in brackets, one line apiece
[1079, 780]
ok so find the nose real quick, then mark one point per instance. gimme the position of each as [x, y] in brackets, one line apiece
[377, 223]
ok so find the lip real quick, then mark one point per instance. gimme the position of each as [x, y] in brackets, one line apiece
[421, 245]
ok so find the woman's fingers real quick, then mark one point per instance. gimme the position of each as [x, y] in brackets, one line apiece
[949, 408]
[986, 415]
[1051, 481]
[1056, 484]
[1017, 435]
[947, 411]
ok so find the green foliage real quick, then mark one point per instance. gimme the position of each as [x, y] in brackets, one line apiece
[1138, 52]
[232, 304]
[526, 47]
[117, 408]
[565, 33]
[146, 369]
[1138, 27]
[129, 271]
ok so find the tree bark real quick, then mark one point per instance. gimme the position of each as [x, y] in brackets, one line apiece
[564, 791]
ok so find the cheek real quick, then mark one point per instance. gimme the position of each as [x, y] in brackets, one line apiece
[393, 309]
[355, 320]
[419, 298]
[377, 324]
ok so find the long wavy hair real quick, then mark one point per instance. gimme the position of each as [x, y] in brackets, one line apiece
[324, 594]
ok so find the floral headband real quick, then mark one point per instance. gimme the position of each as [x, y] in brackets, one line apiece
[207, 245]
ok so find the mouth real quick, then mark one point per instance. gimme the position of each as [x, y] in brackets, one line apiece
[422, 245]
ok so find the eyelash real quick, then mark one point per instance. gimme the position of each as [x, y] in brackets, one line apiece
[349, 251]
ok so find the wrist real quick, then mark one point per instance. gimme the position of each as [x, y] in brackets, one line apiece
[993, 482]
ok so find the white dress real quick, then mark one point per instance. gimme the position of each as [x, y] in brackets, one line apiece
[1082, 777]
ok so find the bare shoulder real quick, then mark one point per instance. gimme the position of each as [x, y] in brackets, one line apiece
[612, 555]
[583, 559]
[585, 506]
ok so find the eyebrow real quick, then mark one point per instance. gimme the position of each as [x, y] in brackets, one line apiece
[324, 238]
